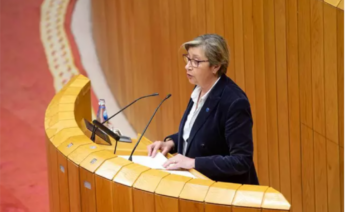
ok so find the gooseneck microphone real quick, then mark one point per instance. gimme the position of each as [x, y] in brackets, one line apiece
[93, 135]
[142, 134]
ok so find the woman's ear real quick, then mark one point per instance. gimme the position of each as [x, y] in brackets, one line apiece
[215, 69]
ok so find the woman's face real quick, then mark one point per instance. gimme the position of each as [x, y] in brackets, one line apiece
[199, 73]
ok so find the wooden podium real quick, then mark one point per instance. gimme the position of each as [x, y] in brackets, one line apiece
[85, 176]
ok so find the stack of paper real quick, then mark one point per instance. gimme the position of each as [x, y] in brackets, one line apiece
[156, 163]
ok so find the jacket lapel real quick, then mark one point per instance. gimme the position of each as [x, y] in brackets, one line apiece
[209, 106]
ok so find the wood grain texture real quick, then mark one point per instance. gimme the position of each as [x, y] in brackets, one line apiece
[122, 198]
[63, 182]
[341, 5]
[333, 174]
[191, 206]
[308, 173]
[317, 57]
[340, 60]
[294, 105]
[215, 16]
[74, 186]
[54, 176]
[331, 87]
[260, 89]
[166, 204]
[249, 71]
[218, 208]
[88, 194]
[49, 164]
[320, 176]
[305, 74]
[229, 35]
[270, 66]
[143, 201]
[280, 12]
[238, 43]
[104, 197]
[341, 168]
[244, 209]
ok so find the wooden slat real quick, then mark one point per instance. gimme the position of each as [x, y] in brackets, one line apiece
[334, 3]
[146, 13]
[274, 200]
[317, 56]
[218, 208]
[282, 97]
[340, 77]
[73, 185]
[271, 85]
[333, 174]
[122, 198]
[341, 168]
[229, 35]
[176, 57]
[307, 169]
[249, 196]
[54, 177]
[320, 177]
[115, 49]
[50, 177]
[111, 167]
[143, 201]
[196, 190]
[126, 31]
[63, 182]
[149, 180]
[260, 83]
[222, 193]
[104, 200]
[87, 190]
[185, 15]
[340, 53]
[248, 41]
[166, 204]
[103, 35]
[238, 43]
[214, 17]
[172, 185]
[341, 5]
[294, 105]
[305, 75]
[330, 48]
[243, 209]
[197, 10]
[164, 32]
[190, 206]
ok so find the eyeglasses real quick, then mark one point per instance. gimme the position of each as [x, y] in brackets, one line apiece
[195, 63]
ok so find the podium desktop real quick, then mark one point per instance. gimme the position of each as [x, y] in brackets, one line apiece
[86, 176]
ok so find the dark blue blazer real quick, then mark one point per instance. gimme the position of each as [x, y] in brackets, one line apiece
[221, 138]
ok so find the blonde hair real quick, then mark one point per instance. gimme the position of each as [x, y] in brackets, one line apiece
[215, 49]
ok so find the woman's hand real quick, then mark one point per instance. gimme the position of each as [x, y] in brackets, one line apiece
[179, 162]
[164, 147]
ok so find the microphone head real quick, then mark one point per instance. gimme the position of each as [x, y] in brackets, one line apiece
[168, 96]
[155, 94]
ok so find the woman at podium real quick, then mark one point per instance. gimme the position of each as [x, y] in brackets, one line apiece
[215, 133]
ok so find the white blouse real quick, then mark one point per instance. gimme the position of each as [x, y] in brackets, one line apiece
[194, 112]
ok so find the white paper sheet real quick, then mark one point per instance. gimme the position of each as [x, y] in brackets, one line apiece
[153, 163]
[156, 163]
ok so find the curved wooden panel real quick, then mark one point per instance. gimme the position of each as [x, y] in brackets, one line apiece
[85, 176]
